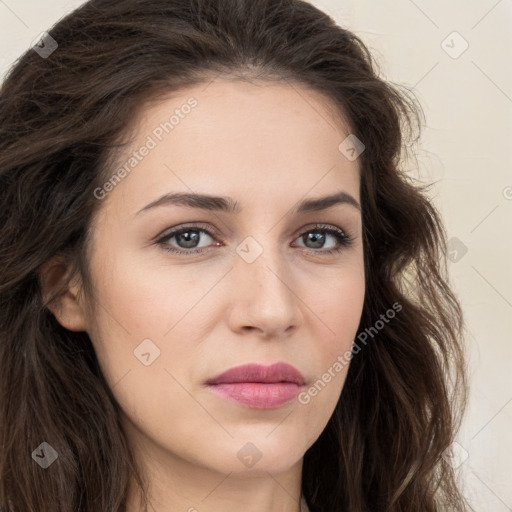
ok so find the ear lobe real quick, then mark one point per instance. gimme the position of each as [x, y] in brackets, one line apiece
[60, 296]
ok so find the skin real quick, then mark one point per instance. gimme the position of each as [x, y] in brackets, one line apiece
[268, 146]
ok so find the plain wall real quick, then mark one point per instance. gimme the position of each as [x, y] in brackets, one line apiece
[465, 150]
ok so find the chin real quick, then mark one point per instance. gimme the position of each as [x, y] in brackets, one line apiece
[259, 455]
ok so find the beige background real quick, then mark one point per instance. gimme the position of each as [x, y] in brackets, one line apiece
[466, 150]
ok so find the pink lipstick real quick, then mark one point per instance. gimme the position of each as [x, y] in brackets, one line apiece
[258, 386]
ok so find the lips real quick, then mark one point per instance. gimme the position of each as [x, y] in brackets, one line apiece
[275, 373]
[257, 386]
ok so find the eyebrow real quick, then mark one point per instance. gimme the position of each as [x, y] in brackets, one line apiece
[229, 205]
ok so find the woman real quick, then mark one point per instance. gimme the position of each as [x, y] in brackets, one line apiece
[219, 290]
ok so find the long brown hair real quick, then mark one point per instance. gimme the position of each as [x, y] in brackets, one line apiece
[62, 116]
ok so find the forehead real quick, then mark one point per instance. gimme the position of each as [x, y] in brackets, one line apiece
[229, 137]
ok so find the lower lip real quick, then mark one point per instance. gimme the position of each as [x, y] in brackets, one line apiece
[258, 395]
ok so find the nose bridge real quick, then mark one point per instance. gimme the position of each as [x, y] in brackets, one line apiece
[263, 282]
[261, 260]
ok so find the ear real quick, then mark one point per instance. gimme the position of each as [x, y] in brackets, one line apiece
[66, 305]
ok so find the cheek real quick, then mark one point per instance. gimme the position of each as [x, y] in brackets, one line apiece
[150, 300]
[155, 314]
[340, 306]
[175, 308]
[144, 339]
[178, 308]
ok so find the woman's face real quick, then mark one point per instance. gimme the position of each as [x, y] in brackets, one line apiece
[253, 284]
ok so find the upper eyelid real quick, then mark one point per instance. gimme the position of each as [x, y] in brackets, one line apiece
[199, 226]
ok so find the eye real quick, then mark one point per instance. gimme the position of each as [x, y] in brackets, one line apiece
[319, 234]
[188, 239]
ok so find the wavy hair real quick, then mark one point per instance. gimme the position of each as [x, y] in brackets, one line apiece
[62, 117]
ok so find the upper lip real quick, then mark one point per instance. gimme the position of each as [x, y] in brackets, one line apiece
[278, 372]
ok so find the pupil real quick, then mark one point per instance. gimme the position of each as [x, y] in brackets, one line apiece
[191, 238]
[316, 238]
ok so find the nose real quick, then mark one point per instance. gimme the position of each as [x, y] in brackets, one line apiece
[264, 296]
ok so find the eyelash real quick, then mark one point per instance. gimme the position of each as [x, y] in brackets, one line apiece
[344, 240]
